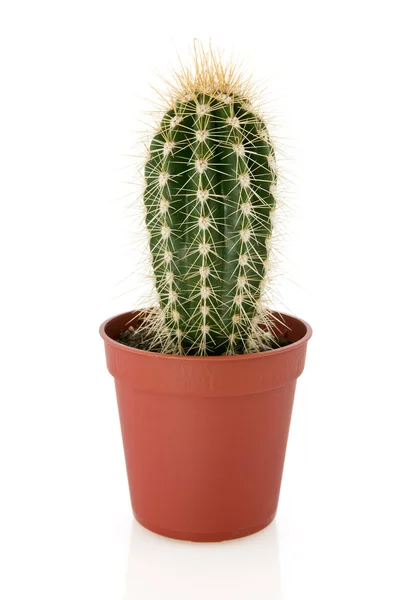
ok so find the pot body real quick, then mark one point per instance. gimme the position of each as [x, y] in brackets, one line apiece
[205, 437]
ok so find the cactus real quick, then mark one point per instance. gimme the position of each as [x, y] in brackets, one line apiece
[209, 197]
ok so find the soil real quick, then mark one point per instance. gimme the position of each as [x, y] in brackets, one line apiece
[135, 339]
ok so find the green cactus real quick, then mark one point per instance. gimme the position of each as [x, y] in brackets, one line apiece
[210, 190]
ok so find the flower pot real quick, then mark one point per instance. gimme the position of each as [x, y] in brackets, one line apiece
[205, 437]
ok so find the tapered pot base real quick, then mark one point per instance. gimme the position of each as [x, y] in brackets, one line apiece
[203, 537]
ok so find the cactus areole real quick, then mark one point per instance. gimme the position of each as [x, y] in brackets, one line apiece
[205, 408]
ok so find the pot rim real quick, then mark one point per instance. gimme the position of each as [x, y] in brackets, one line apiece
[234, 357]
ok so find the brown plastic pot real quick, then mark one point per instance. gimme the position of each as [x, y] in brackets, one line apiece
[205, 437]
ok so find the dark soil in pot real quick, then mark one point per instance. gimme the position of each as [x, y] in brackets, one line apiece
[134, 338]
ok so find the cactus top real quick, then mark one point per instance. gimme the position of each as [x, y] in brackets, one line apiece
[210, 191]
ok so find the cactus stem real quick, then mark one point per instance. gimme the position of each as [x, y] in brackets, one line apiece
[210, 194]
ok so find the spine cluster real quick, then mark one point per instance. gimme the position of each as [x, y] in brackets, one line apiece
[210, 193]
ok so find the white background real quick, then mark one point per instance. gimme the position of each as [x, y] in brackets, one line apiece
[73, 76]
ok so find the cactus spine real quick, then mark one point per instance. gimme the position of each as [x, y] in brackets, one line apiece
[210, 191]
